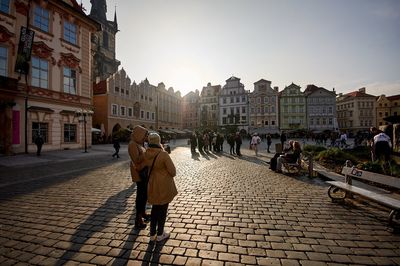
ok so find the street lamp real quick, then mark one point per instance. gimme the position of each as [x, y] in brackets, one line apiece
[82, 114]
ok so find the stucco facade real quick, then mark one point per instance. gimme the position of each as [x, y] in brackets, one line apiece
[356, 111]
[209, 106]
[321, 109]
[292, 108]
[264, 108]
[190, 110]
[234, 105]
[58, 83]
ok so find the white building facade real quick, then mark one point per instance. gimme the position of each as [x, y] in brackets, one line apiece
[234, 105]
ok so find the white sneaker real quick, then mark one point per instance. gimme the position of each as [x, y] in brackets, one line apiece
[165, 235]
[153, 238]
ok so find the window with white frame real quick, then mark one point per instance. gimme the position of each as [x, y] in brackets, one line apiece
[3, 61]
[122, 113]
[153, 116]
[41, 18]
[224, 111]
[69, 80]
[70, 32]
[243, 109]
[148, 115]
[114, 109]
[69, 133]
[5, 6]
[142, 114]
[40, 72]
[130, 111]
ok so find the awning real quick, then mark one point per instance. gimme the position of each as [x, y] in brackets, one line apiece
[166, 131]
[40, 109]
[96, 130]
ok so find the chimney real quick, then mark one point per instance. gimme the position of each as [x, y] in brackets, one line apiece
[362, 90]
[276, 88]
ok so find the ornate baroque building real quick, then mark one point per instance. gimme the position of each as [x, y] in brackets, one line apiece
[321, 108]
[292, 108]
[58, 85]
[168, 108]
[103, 42]
[234, 105]
[385, 107]
[356, 111]
[190, 110]
[209, 106]
[264, 108]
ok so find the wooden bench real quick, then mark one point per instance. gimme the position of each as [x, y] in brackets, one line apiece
[341, 190]
[293, 168]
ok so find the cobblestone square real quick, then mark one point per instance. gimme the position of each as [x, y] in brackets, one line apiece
[229, 211]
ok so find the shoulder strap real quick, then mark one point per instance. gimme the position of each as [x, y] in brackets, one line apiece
[151, 169]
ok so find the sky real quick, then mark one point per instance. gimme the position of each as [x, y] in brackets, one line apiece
[341, 44]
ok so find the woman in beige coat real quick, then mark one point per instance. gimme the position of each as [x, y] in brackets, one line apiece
[161, 188]
[139, 173]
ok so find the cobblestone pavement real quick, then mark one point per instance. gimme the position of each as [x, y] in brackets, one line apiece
[229, 211]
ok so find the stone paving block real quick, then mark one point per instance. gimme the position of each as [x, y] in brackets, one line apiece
[207, 254]
[268, 261]
[318, 256]
[228, 257]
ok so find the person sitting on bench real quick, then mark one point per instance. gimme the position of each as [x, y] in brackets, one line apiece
[291, 156]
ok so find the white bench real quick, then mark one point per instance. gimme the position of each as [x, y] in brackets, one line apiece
[341, 190]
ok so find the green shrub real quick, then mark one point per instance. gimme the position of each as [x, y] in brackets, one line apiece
[335, 156]
[312, 150]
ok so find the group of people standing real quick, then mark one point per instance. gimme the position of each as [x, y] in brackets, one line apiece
[208, 141]
[153, 172]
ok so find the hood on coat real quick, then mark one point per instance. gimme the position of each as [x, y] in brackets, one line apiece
[138, 134]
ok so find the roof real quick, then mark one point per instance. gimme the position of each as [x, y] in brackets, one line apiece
[393, 97]
[358, 94]
[232, 78]
[262, 81]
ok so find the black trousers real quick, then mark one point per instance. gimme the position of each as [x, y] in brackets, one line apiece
[141, 194]
[238, 149]
[158, 217]
[116, 152]
[382, 149]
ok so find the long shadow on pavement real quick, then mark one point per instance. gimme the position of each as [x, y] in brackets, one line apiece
[97, 222]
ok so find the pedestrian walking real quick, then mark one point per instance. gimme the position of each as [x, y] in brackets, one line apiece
[116, 146]
[269, 142]
[283, 139]
[255, 141]
[231, 142]
[381, 145]
[238, 142]
[161, 187]
[39, 143]
[139, 174]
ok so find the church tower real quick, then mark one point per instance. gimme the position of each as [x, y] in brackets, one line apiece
[103, 42]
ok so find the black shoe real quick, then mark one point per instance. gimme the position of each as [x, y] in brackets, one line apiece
[140, 226]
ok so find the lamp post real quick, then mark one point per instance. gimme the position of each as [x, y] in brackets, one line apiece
[82, 114]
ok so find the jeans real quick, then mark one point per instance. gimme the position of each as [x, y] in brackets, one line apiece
[158, 217]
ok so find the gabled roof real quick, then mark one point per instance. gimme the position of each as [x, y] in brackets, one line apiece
[262, 81]
[393, 97]
[232, 78]
[312, 88]
[358, 94]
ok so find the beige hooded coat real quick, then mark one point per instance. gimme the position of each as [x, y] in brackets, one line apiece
[136, 151]
[161, 188]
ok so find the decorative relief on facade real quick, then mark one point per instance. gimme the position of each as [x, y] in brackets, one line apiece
[68, 47]
[5, 37]
[43, 37]
[7, 21]
[69, 97]
[41, 50]
[40, 92]
[21, 7]
[69, 60]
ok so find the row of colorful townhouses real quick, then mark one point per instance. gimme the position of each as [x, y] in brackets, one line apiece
[74, 86]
